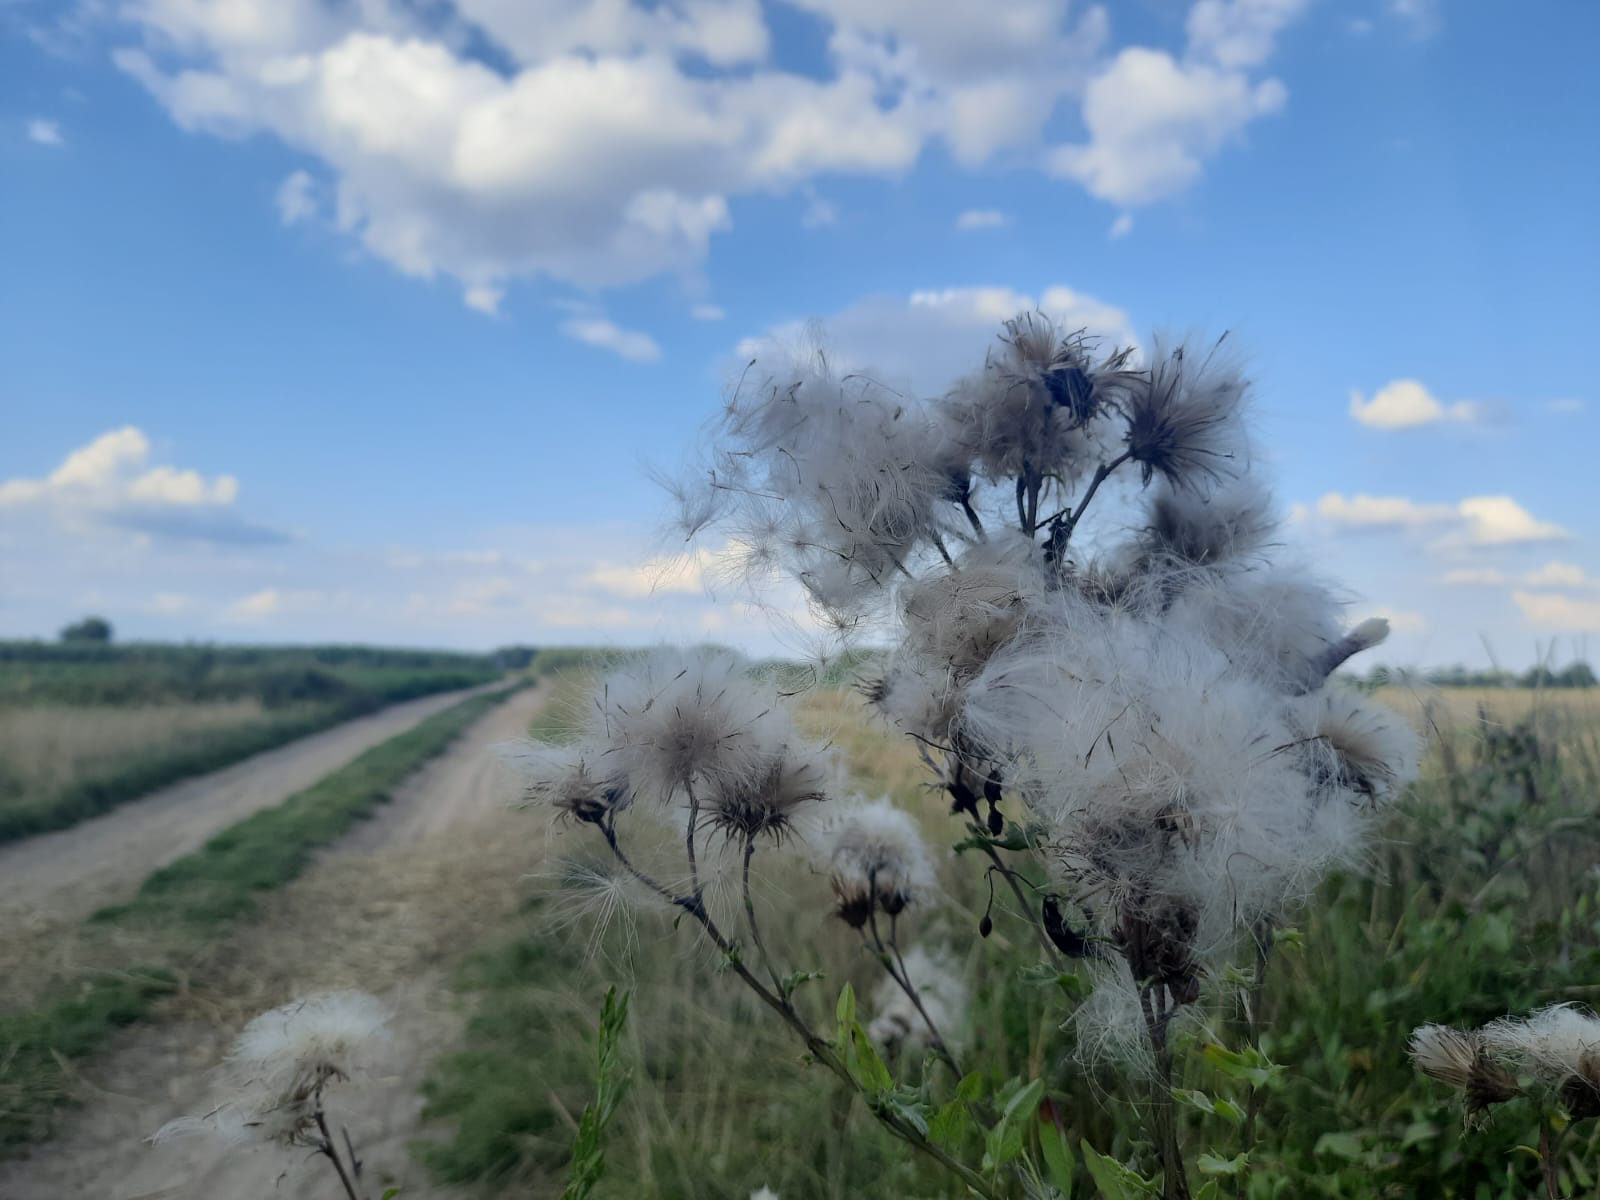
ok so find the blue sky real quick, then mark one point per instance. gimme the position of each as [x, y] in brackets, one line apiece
[361, 321]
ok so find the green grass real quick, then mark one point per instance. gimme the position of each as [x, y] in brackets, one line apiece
[193, 900]
[1485, 899]
[304, 692]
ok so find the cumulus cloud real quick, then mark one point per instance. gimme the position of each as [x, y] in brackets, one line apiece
[110, 482]
[296, 198]
[1153, 120]
[606, 335]
[982, 218]
[1405, 404]
[927, 340]
[44, 132]
[707, 312]
[1565, 614]
[1122, 226]
[1475, 521]
[1565, 405]
[600, 144]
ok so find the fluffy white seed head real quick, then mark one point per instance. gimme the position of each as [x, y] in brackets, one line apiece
[787, 779]
[1460, 1059]
[878, 860]
[674, 719]
[1185, 418]
[282, 1062]
[1559, 1046]
[571, 780]
[1355, 745]
[1204, 527]
[1039, 403]
[942, 987]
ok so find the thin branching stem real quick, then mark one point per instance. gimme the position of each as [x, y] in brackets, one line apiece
[1072, 516]
[688, 841]
[750, 916]
[819, 1049]
[327, 1147]
[889, 955]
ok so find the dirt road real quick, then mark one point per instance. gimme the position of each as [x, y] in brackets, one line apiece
[388, 909]
[68, 874]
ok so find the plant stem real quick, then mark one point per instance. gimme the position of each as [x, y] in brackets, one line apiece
[327, 1147]
[890, 957]
[1174, 1178]
[819, 1049]
[1100, 475]
[1051, 949]
[688, 846]
[750, 916]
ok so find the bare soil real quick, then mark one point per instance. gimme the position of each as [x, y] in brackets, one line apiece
[390, 909]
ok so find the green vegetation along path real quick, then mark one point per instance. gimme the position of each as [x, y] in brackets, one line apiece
[389, 907]
[64, 876]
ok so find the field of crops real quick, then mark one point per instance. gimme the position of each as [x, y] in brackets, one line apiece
[1483, 899]
[84, 728]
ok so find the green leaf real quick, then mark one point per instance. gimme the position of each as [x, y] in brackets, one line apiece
[588, 1148]
[1115, 1181]
[798, 979]
[1216, 1106]
[1058, 1157]
[1249, 1064]
[1211, 1164]
[1341, 1145]
[1019, 1101]
[390, 1193]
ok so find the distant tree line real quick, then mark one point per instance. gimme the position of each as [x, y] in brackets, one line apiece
[1574, 675]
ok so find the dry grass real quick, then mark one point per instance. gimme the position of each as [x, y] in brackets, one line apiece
[51, 746]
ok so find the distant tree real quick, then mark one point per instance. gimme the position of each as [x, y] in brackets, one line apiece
[513, 658]
[90, 629]
[1578, 674]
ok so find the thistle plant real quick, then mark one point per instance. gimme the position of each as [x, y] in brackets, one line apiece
[1553, 1055]
[1109, 668]
[279, 1072]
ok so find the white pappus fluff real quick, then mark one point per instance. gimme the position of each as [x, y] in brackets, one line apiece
[942, 988]
[281, 1063]
[1559, 1045]
[877, 860]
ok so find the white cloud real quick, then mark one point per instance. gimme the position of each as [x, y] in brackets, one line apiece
[819, 213]
[1405, 404]
[1501, 521]
[170, 603]
[45, 132]
[603, 146]
[707, 312]
[484, 298]
[1567, 405]
[927, 340]
[1422, 16]
[1239, 33]
[297, 198]
[110, 481]
[1475, 521]
[256, 606]
[683, 574]
[1122, 226]
[1565, 614]
[604, 334]
[1153, 120]
[1559, 574]
[982, 218]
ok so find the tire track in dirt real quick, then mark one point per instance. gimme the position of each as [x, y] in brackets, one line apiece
[389, 908]
[67, 874]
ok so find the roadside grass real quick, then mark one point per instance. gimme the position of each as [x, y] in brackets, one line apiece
[1484, 899]
[53, 783]
[162, 933]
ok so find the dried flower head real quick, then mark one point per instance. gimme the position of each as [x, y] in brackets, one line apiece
[766, 800]
[1460, 1060]
[569, 780]
[898, 1027]
[878, 861]
[672, 719]
[1184, 419]
[1560, 1047]
[1356, 745]
[281, 1064]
